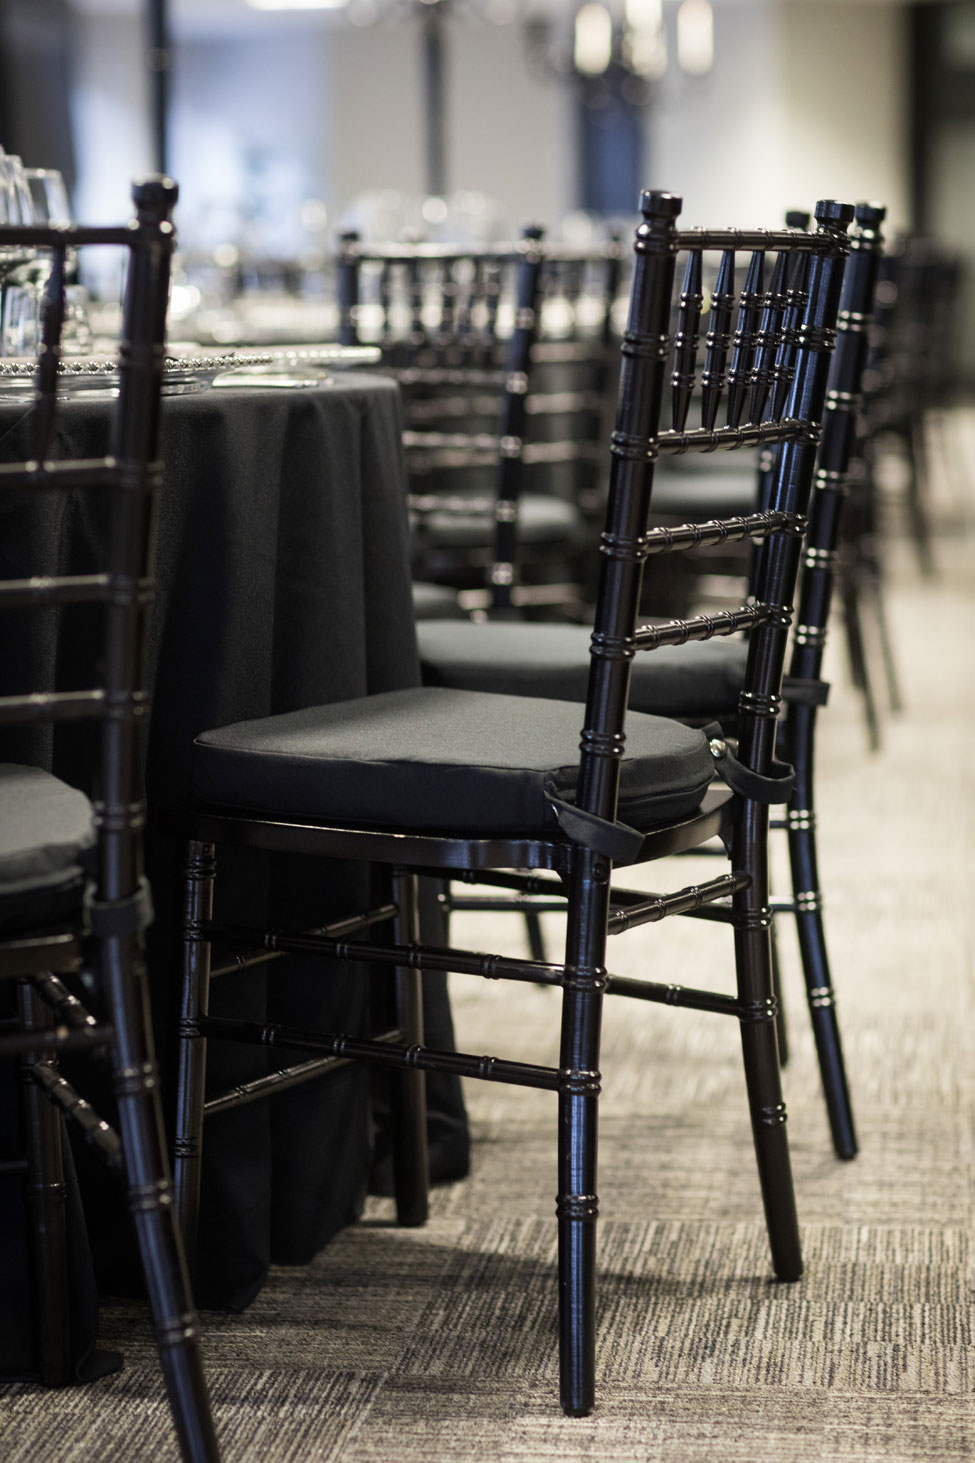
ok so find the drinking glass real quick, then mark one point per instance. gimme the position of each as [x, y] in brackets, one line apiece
[20, 319]
[49, 196]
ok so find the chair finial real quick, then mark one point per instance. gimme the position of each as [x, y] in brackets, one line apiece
[155, 196]
[656, 204]
[828, 211]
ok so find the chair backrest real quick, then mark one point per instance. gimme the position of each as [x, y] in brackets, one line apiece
[913, 361]
[464, 330]
[841, 424]
[763, 380]
[127, 480]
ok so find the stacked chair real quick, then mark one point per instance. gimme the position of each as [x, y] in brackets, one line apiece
[502, 355]
[699, 681]
[909, 379]
[912, 364]
[73, 899]
[435, 780]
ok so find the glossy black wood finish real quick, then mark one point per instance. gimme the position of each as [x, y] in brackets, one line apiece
[108, 938]
[463, 332]
[781, 352]
[831, 487]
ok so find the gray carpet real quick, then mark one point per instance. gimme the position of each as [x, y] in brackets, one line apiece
[438, 1345]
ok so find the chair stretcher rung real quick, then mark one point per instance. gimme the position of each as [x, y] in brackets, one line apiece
[51, 706]
[657, 906]
[451, 441]
[350, 925]
[535, 453]
[51, 590]
[337, 1044]
[68, 1010]
[673, 995]
[520, 903]
[90, 473]
[700, 627]
[95, 1131]
[411, 957]
[729, 439]
[717, 531]
[435, 503]
[282, 1080]
[56, 1038]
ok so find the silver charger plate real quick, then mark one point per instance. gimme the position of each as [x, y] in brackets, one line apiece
[191, 369]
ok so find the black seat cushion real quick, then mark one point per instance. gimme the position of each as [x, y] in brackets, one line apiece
[695, 496]
[436, 759]
[542, 519]
[46, 832]
[435, 602]
[699, 680]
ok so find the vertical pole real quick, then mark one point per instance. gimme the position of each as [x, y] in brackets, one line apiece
[158, 56]
[434, 62]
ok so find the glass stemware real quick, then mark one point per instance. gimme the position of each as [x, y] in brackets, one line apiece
[36, 195]
[49, 196]
[16, 208]
[20, 319]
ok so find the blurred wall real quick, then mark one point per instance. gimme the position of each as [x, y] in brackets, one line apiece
[110, 114]
[36, 38]
[806, 99]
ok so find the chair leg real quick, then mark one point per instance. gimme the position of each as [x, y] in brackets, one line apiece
[411, 1165]
[801, 819]
[46, 1201]
[856, 649]
[781, 1023]
[915, 442]
[578, 1205]
[753, 958]
[876, 584]
[536, 940]
[191, 1082]
[136, 1087]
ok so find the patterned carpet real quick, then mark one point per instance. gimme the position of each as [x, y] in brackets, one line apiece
[438, 1345]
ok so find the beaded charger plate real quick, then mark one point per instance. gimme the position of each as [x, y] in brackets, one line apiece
[192, 370]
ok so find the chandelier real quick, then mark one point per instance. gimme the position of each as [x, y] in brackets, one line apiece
[614, 51]
[623, 44]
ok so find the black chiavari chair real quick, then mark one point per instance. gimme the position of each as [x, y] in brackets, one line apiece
[73, 897]
[501, 355]
[700, 682]
[913, 367]
[434, 780]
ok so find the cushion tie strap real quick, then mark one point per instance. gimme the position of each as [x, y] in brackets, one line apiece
[802, 691]
[616, 841]
[773, 787]
[117, 918]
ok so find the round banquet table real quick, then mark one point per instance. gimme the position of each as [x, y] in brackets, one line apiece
[282, 580]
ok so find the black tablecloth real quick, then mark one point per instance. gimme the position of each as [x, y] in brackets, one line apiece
[282, 581]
